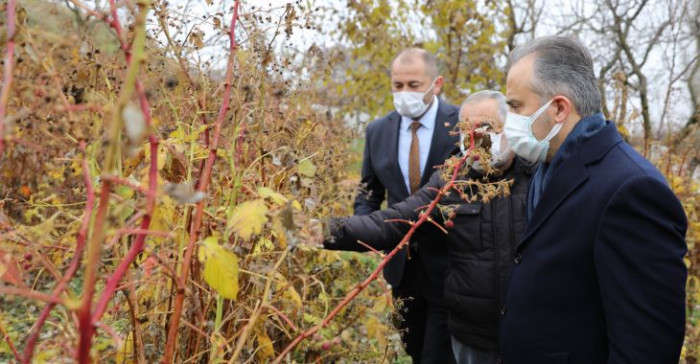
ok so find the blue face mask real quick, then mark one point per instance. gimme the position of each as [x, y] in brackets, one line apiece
[518, 130]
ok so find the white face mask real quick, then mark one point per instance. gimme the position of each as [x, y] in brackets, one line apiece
[499, 152]
[518, 131]
[410, 103]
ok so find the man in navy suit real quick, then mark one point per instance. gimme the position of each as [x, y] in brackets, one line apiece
[599, 274]
[401, 150]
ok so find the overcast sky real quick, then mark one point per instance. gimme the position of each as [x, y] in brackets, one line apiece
[555, 13]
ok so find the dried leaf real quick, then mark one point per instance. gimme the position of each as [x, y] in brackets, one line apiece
[220, 268]
[134, 124]
[9, 270]
[184, 192]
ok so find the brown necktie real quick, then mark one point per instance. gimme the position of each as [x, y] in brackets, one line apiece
[414, 159]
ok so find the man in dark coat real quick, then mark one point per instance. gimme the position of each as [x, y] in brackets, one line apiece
[480, 242]
[599, 275]
[398, 159]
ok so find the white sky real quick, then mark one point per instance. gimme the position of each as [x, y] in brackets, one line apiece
[555, 13]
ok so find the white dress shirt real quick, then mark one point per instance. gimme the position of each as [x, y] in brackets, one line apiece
[425, 138]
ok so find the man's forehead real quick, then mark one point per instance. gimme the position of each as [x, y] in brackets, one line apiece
[520, 73]
[479, 107]
[411, 65]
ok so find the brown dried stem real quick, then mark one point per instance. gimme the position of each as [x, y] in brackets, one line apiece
[202, 186]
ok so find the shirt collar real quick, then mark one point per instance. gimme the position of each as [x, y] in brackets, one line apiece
[427, 121]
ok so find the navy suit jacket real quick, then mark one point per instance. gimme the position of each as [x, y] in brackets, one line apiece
[599, 275]
[381, 176]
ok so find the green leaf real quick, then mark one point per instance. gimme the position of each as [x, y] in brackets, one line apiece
[307, 168]
[220, 268]
[248, 218]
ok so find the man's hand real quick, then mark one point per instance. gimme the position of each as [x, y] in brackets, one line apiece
[313, 234]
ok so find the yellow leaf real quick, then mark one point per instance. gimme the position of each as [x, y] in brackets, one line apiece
[163, 219]
[265, 349]
[220, 268]
[275, 197]
[263, 245]
[379, 304]
[248, 218]
[292, 295]
[307, 168]
[375, 330]
[56, 173]
[160, 158]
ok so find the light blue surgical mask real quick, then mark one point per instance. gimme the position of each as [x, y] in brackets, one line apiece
[518, 130]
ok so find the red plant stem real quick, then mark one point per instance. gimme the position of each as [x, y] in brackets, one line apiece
[74, 264]
[85, 313]
[375, 274]
[125, 182]
[28, 293]
[110, 331]
[137, 246]
[9, 63]
[281, 315]
[381, 254]
[202, 186]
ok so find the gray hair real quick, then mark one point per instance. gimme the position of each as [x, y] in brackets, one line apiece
[490, 95]
[408, 55]
[563, 66]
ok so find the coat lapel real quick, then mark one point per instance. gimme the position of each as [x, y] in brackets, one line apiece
[394, 126]
[442, 143]
[570, 176]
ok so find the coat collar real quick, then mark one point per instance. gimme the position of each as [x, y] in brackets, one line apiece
[570, 175]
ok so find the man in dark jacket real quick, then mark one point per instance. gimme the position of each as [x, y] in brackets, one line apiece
[401, 150]
[481, 243]
[599, 275]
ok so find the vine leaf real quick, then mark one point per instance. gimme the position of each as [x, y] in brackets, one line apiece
[275, 197]
[248, 218]
[307, 168]
[220, 268]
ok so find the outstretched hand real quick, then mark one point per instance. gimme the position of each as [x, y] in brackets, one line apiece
[313, 234]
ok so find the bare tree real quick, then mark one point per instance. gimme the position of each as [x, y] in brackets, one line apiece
[629, 38]
[523, 17]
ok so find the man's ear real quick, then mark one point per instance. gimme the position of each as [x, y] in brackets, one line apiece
[439, 82]
[564, 108]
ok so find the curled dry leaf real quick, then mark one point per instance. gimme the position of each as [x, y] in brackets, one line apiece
[184, 192]
[134, 124]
